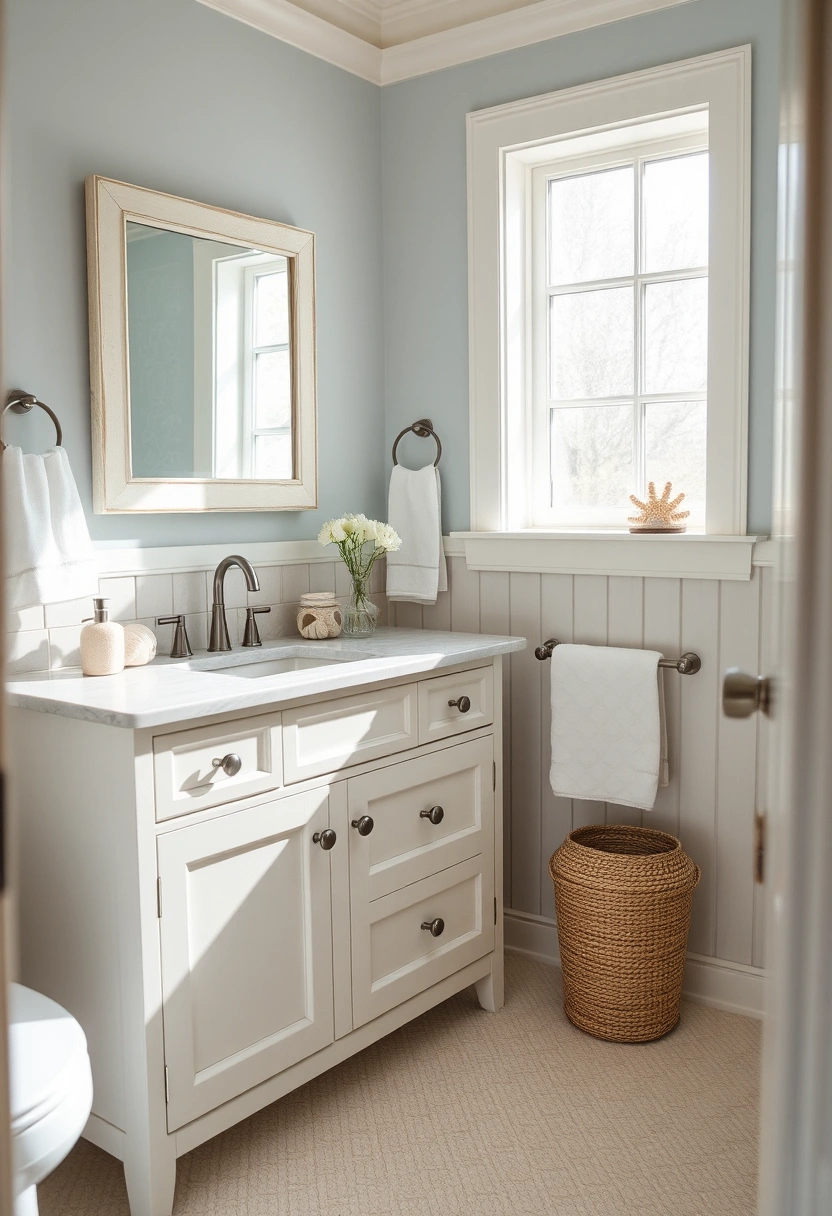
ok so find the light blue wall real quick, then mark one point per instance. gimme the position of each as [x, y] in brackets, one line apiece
[425, 254]
[172, 95]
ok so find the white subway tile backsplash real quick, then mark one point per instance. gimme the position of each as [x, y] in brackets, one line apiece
[271, 584]
[65, 646]
[27, 650]
[25, 618]
[154, 595]
[295, 583]
[121, 593]
[68, 612]
[322, 576]
[189, 595]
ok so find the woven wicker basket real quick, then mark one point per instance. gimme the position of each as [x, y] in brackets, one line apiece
[623, 897]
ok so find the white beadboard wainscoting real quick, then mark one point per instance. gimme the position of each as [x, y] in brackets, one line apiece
[717, 765]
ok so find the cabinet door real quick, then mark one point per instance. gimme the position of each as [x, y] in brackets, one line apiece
[427, 813]
[246, 939]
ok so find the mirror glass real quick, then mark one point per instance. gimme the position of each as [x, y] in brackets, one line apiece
[209, 329]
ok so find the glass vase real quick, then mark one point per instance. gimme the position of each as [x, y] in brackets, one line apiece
[360, 613]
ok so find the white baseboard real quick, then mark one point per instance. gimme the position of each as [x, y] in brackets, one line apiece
[708, 981]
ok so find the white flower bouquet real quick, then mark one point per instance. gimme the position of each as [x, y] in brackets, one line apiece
[361, 541]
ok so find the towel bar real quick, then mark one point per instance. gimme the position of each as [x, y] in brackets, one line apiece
[21, 402]
[687, 665]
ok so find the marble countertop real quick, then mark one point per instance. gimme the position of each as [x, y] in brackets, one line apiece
[177, 690]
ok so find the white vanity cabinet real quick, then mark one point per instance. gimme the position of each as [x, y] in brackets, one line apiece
[226, 931]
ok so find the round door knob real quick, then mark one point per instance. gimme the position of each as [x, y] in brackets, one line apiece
[463, 704]
[326, 839]
[434, 927]
[364, 825]
[743, 695]
[230, 764]
[435, 814]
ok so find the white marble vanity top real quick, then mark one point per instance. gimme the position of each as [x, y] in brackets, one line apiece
[177, 690]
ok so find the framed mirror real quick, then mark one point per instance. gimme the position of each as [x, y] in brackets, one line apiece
[202, 356]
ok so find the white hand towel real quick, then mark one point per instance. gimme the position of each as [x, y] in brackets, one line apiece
[49, 555]
[417, 570]
[608, 736]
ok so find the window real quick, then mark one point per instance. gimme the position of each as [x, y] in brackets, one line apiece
[608, 299]
[620, 331]
[253, 409]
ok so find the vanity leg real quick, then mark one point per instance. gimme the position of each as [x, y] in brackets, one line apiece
[490, 989]
[151, 1180]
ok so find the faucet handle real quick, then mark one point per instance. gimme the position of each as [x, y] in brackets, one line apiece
[181, 648]
[251, 636]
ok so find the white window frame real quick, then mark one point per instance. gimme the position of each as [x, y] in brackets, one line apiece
[505, 144]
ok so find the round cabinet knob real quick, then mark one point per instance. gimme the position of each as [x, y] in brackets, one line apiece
[230, 764]
[744, 694]
[434, 927]
[435, 814]
[364, 825]
[463, 704]
[326, 839]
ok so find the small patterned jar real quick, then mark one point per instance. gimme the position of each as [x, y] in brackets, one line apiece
[319, 616]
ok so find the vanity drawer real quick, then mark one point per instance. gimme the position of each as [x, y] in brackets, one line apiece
[331, 735]
[394, 958]
[404, 844]
[186, 779]
[438, 718]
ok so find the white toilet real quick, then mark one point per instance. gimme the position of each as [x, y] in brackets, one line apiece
[51, 1089]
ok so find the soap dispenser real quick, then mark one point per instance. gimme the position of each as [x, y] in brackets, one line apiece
[102, 642]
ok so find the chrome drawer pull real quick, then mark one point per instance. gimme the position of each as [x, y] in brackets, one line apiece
[230, 764]
[434, 927]
[326, 839]
[435, 814]
[364, 825]
[463, 704]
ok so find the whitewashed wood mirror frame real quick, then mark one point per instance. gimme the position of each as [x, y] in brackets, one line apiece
[269, 462]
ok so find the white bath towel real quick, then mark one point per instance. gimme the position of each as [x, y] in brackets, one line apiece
[417, 571]
[609, 743]
[49, 555]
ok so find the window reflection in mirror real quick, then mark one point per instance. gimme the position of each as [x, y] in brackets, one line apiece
[210, 358]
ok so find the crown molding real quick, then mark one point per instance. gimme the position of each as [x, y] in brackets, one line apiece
[309, 33]
[475, 39]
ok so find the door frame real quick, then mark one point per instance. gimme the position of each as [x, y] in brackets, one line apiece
[796, 1121]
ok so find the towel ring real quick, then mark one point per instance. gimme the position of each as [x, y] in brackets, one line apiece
[422, 428]
[21, 402]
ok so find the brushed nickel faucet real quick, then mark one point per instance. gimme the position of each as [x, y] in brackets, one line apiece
[219, 639]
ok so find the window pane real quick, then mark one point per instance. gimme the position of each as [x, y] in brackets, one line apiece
[591, 461]
[591, 344]
[271, 309]
[676, 212]
[676, 447]
[272, 390]
[273, 456]
[591, 226]
[676, 336]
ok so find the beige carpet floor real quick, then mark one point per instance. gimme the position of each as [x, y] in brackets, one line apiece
[465, 1112]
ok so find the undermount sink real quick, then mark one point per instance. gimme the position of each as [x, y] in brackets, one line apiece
[273, 667]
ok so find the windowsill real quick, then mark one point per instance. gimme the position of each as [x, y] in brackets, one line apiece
[590, 551]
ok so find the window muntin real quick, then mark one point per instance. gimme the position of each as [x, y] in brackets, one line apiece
[620, 350]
